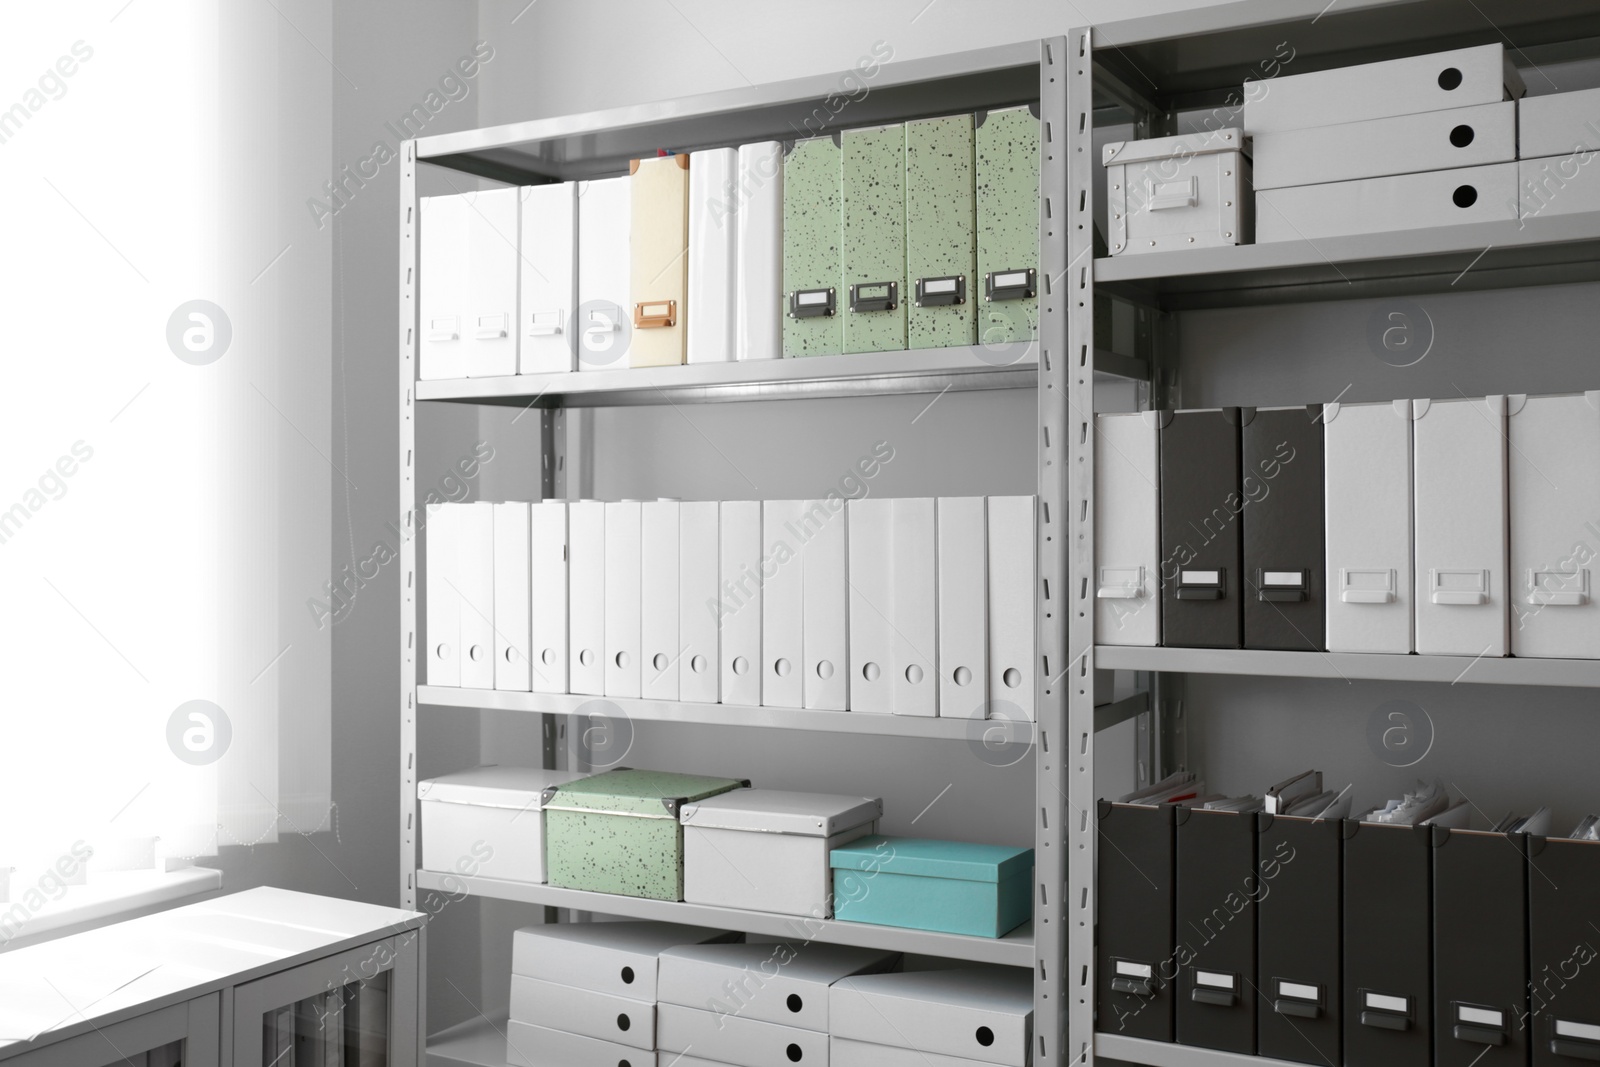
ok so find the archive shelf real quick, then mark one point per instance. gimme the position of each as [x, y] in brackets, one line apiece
[1352, 666]
[1163, 1054]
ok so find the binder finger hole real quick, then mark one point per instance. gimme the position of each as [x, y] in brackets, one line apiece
[660, 662]
[741, 665]
[793, 1052]
[549, 657]
[824, 669]
[627, 976]
[623, 1022]
[781, 667]
[1012, 677]
[586, 657]
[442, 651]
[477, 653]
[622, 659]
[985, 1036]
[962, 676]
[794, 1002]
[1464, 196]
[1461, 136]
[698, 665]
[1449, 78]
[913, 674]
[871, 672]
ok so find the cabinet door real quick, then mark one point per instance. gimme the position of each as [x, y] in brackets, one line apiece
[359, 1008]
[187, 1033]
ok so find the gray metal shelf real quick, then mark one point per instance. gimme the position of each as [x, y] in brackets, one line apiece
[1164, 1054]
[478, 1042]
[1014, 950]
[1350, 666]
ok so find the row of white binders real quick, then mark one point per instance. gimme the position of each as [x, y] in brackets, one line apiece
[909, 606]
[1448, 527]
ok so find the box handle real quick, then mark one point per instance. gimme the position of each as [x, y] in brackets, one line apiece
[1459, 587]
[1177, 193]
[1366, 586]
[1480, 1025]
[941, 292]
[545, 323]
[492, 327]
[1212, 987]
[874, 296]
[1300, 999]
[1579, 1040]
[1120, 583]
[1582, 1050]
[444, 329]
[1384, 1020]
[1281, 586]
[1133, 977]
[1299, 1008]
[1139, 987]
[809, 303]
[1201, 585]
[604, 317]
[1558, 588]
[1385, 1011]
[1009, 284]
[655, 314]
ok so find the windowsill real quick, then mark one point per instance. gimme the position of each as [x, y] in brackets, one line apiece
[111, 897]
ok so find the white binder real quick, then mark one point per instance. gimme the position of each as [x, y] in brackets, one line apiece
[442, 283]
[605, 208]
[512, 586]
[963, 607]
[1459, 460]
[443, 615]
[782, 599]
[549, 277]
[661, 664]
[1379, 205]
[893, 598]
[739, 567]
[1367, 464]
[1553, 471]
[475, 583]
[1127, 529]
[713, 248]
[871, 548]
[548, 578]
[699, 671]
[826, 610]
[586, 596]
[759, 300]
[622, 598]
[1012, 577]
[490, 327]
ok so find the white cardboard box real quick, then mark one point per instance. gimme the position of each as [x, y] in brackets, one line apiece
[622, 624]
[759, 300]
[978, 1013]
[713, 252]
[734, 1039]
[661, 661]
[1459, 482]
[538, 1046]
[1553, 473]
[475, 583]
[1379, 205]
[699, 665]
[1187, 191]
[1558, 124]
[767, 849]
[549, 278]
[489, 821]
[1013, 573]
[776, 983]
[605, 264]
[1127, 529]
[548, 596]
[1367, 464]
[1558, 185]
[586, 593]
[512, 588]
[739, 563]
[825, 621]
[443, 608]
[490, 328]
[617, 958]
[585, 1012]
[963, 607]
[842, 1052]
[782, 605]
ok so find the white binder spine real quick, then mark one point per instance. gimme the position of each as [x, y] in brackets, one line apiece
[871, 548]
[586, 596]
[548, 268]
[622, 598]
[1012, 574]
[512, 587]
[759, 299]
[915, 636]
[782, 604]
[739, 568]
[963, 607]
[713, 248]
[548, 599]
[825, 611]
[699, 602]
[662, 661]
[475, 565]
[443, 607]
[491, 326]
[605, 209]
[1368, 526]
[1127, 534]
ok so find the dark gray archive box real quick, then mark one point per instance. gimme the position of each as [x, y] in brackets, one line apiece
[1480, 948]
[1284, 557]
[1201, 537]
[1388, 945]
[1216, 916]
[1298, 938]
[1563, 909]
[1135, 965]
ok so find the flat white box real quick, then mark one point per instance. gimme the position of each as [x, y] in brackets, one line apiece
[585, 1012]
[1379, 205]
[489, 820]
[782, 605]
[826, 609]
[660, 662]
[1459, 458]
[1553, 473]
[767, 849]
[1188, 191]
[1013, 573]
[780, 983]
[537, 1046]
[443, 282]
[618, 958]
[963, 607]
[1461, 77]
[1400, 144]
[586, 596]
[475, 583]
[758, 323]
[842, 1052]
[713, 252]
[443, 609]
[1127, 529]
[739, 563]
[893, 594]
[1558, 124]
[490, 328]
[1558, 185]
[734, 1039]
[605, 263]
[549, 270]
[513, 668]
[623, 598]
[548, 577]
[1367, 471]
[940, 1011]
[699, 672]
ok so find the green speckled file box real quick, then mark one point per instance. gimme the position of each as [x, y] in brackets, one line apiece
[618, 832]
[1008, 219]
[812, 172]
[875, 237]
[941, 241]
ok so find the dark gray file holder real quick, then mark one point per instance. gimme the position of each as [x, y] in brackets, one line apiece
[1388, 945]
[1298, 929]
[1564, 951]
[1218, 886]
[1135, 968]
[1285, 561]
[1201, 537]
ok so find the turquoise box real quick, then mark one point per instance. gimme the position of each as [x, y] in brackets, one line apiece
[952, 887]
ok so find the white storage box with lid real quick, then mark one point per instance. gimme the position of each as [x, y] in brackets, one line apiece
[1455, 197]
[1188, 191]
[780, 982]
[488, 821]
[528, 1045]
[983, 1014]
[618, 958]
[585, 1012]
[767, 849]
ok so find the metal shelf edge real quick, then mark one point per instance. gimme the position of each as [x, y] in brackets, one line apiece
[1352, 666]
[1165, 1054]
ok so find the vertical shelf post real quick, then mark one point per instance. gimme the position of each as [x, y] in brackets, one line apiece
[410, 523]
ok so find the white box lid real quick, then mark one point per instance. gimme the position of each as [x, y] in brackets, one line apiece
[778, 811]
[1199, 143]
[495, 787]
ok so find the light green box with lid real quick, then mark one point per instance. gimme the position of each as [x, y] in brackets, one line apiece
[618, 832]
[941, 240]
[1008, 225]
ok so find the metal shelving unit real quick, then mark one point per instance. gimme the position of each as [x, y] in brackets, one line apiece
[1351, 666]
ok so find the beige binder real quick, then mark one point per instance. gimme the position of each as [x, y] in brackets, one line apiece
[660, 242]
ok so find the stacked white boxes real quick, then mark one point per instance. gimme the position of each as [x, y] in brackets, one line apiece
[1557, 137]
[955, 1018]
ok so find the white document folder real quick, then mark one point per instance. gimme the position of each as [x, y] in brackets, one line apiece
[713, 251]
[1553, 472]
[782, 600]
[442, 283]
[963, 607]
[490, 328]
[661, 652]
[549, 262]
[699, 597]
[586, 596]
[1459, 460]
[605, 208]
[759, 296]
[1127, 529]
[739, 567]
[893, 598]
[475, 583]
[512, 587]
[622, 599]
[548, 599]
[1013, 574]
[443, 615]
[826, 611]
[1367, 463]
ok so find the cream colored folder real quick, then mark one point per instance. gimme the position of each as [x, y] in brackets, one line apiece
[659, 243]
